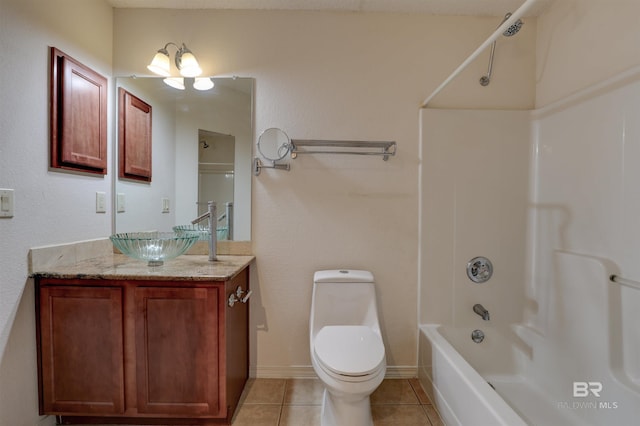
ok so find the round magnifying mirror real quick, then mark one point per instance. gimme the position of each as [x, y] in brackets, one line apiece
[274, 144]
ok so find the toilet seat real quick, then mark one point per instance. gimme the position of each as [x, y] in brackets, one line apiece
[352, 352]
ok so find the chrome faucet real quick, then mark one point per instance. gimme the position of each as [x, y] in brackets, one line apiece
[480, 310]
[213, 228]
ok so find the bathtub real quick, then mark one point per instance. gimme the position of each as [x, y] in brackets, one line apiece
[484, 383]
[578, 364]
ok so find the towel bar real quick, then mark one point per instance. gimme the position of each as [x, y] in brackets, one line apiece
[314, 146]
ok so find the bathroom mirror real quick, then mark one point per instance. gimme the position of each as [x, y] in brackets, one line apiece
[183, 122]
[274, 144]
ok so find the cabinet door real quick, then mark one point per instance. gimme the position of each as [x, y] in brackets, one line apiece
[177, 334]
[134, 137]
[78, 116]
[81, 349]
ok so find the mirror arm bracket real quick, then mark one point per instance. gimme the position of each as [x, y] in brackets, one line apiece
[258, 165]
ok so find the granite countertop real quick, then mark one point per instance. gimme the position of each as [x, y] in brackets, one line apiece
[121, 267]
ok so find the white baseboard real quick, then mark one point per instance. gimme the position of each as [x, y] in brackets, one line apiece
[306, 372]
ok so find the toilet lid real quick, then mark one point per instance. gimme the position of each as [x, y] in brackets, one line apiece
[349, 350]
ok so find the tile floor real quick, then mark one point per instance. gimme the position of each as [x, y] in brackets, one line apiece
[297, 402]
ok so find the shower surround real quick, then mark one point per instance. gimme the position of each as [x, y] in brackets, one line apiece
[551, 198]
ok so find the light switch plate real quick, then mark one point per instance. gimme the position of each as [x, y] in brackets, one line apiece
[6, 202]
[120, 207]
[101, 202]
[165, 205]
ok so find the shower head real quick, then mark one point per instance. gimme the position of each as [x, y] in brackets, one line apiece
[514, 28]
[204, 143]
[511, 31]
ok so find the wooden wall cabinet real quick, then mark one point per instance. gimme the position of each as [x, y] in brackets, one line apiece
[134, 137]
[78, 115]
[141, 352]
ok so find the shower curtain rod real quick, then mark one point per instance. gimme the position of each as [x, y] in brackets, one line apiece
[496, 34]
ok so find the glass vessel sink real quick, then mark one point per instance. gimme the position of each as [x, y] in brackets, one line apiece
[154, 247]
[202, 230]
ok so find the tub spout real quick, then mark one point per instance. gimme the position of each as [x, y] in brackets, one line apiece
[480, 310]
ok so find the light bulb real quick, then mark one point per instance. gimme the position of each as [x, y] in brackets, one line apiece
[203, 83]
[160, 63]
[188, 64]
[175, 82]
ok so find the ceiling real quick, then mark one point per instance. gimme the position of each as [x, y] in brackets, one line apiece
[434, 7]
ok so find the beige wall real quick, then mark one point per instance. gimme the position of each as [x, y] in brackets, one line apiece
[50, 207]
[582, 42]
[336, 76]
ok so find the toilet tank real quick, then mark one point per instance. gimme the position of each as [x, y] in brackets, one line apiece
[343, 276]
[343, 297]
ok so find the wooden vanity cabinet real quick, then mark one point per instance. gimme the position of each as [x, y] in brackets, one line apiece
[142, 352]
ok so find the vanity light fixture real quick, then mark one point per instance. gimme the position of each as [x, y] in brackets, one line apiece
[175, 82]
[203, 83]
[199, 83]
[186, 64]
[184, 59]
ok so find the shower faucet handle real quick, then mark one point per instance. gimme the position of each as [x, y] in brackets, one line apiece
[479, 269]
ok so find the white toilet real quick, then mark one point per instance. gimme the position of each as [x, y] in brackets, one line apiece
[346, 346]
